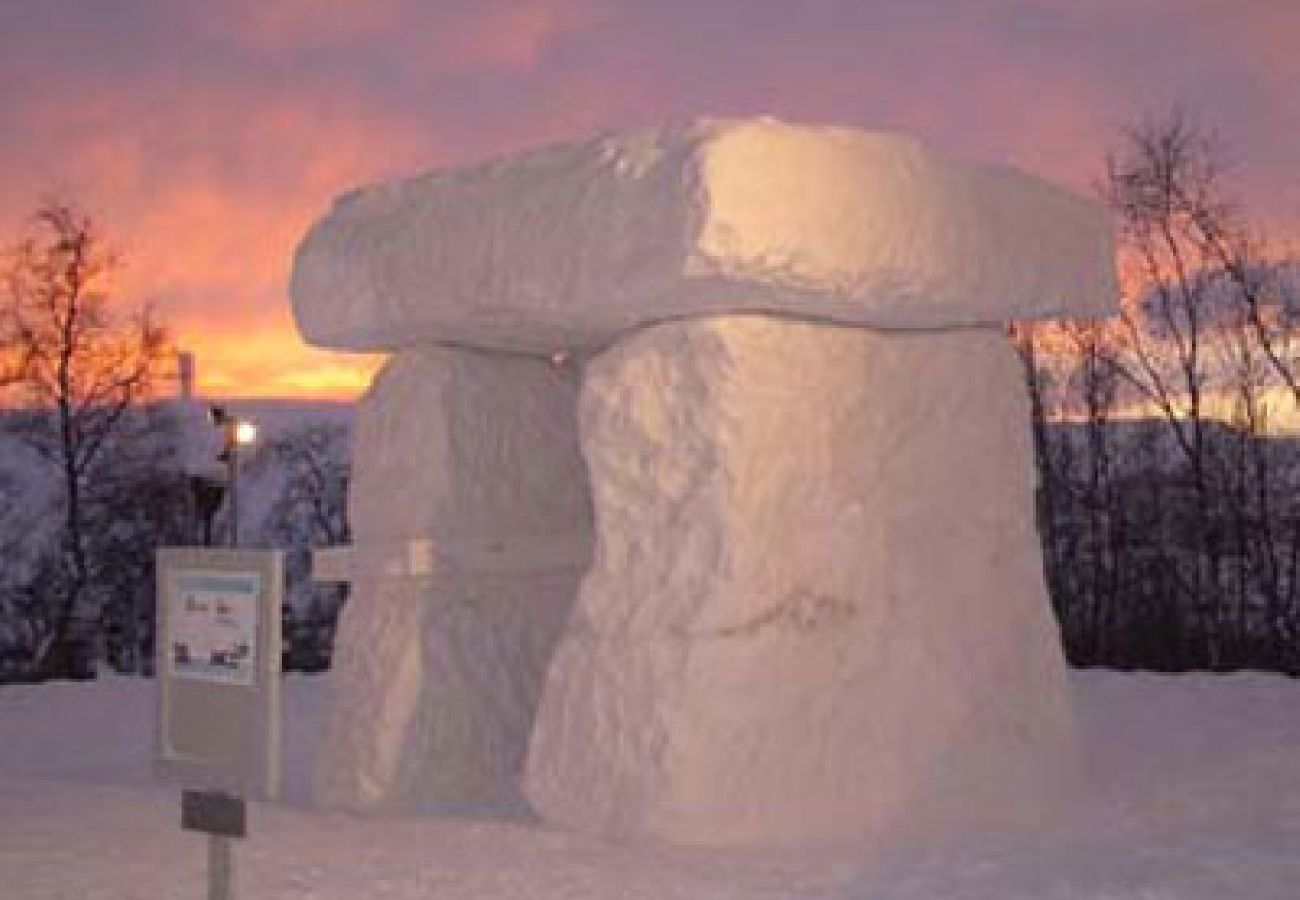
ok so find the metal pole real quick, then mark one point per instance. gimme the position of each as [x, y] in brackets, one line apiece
[232, 476]
[221, 868]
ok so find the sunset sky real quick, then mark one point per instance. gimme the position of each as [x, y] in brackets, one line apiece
[208, 135]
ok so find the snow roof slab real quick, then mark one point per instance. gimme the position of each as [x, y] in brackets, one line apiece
[568, 246]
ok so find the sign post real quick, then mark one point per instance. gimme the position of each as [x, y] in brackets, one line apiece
[218, 671]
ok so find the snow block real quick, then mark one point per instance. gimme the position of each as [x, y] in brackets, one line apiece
[816, 610]
[570, 246]
[436, 678]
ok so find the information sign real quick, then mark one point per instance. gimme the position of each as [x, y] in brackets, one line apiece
[218, 640]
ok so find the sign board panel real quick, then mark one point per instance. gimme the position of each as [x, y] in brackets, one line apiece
[214, 813]
[214, 626]
[219, 649]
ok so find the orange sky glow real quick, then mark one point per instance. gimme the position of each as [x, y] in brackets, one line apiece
[207, 136]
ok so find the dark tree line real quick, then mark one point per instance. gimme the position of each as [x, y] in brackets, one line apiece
[1168, 501]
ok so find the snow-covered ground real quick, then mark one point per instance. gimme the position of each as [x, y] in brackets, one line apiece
[1195, 795]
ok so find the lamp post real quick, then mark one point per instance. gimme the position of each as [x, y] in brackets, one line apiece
[235, 433]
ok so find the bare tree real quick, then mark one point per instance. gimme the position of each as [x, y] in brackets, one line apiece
[1173, 541]
[76, 363]
[1198, 268]
[1070, 372]
[1206, 323]
[1164, 181]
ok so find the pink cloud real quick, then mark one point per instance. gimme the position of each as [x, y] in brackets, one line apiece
[514, 35]
[300, 24]
[431, 37]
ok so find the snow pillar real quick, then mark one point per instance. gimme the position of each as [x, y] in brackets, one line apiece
[816, 609]
[437, 675]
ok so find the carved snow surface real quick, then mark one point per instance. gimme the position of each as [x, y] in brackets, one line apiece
[573, 245]
[816, 610]
[437, 678]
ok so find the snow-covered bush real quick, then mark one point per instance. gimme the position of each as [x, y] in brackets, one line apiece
[133, 499]
[310, 468]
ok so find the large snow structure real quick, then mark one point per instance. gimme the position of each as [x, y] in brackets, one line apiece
[815, 609]
[440, 662]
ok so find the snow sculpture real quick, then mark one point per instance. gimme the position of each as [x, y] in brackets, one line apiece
[815, 609]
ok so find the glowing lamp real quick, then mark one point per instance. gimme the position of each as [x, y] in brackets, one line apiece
[245, 432]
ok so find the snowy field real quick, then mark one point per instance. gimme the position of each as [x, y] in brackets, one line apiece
[1195, 794]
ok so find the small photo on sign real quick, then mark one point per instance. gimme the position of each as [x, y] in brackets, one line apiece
[213, 627]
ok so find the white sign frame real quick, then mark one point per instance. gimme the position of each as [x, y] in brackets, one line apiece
[218, 651]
